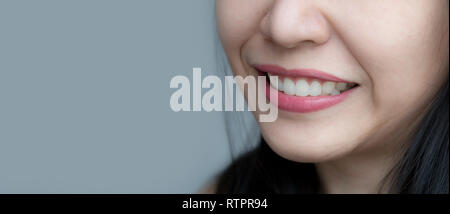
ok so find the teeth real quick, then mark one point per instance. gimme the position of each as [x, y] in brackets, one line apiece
[328, 87]
[276, 84]
[341, 86]
[273, 83]
[315, 89]
[289, 86]
[280, 85]
[302, 88]
[335, 92]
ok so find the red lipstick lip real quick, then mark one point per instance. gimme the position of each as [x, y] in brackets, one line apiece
[308, 73]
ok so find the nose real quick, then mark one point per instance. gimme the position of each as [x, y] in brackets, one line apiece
[290, 23]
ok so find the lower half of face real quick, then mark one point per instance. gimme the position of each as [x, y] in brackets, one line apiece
[353, 78]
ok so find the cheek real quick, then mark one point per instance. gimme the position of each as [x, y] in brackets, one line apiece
[402, 55]
[237, 21]
[408, 72]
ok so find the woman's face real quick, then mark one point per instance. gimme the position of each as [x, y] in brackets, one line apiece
[355, 75]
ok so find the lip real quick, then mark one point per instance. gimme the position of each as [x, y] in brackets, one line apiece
[300, 104]
[305, 104]
[311, 73]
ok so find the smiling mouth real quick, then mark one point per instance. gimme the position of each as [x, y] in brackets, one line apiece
[304, 83]
[304, 87]
[304, 90]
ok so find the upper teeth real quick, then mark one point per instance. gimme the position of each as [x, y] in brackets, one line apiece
[302, 88]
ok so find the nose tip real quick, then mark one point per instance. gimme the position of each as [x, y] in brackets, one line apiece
[290, 25]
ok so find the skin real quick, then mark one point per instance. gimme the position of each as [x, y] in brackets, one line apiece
[395, 50]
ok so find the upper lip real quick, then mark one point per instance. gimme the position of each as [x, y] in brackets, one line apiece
[308, 73]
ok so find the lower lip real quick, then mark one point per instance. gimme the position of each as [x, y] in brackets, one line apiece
[305, 104]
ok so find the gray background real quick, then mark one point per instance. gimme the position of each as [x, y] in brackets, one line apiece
[84, 97]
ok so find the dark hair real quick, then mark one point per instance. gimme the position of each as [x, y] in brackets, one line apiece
[422, 169]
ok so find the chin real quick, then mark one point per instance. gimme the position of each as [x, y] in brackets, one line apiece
[305, 145]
